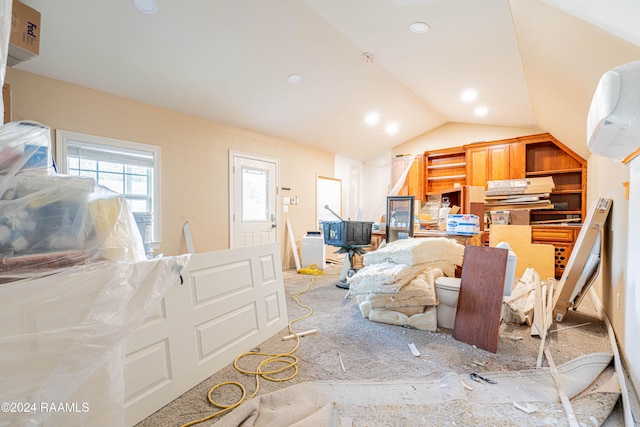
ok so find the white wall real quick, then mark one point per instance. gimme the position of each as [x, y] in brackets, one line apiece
[377, 184]
[350, 171]
[365, 186]
[616, 285]
[632, 302]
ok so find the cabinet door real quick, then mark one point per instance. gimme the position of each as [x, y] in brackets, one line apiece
[413, 184]
[498, 165]
[415, 179]
[477, 161]
[488, 163]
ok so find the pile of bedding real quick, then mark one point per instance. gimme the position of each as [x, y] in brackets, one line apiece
[397, 284]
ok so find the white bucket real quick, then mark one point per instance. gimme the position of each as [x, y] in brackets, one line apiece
[511, 268]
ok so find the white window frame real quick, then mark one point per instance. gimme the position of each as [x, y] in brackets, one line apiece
[62, 138]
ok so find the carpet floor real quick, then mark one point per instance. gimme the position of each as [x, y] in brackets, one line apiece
[349, 348]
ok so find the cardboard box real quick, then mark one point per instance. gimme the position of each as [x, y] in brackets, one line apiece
[6, 100]
[500, 217]
[520, 217]
[24, 42]
[464, 224]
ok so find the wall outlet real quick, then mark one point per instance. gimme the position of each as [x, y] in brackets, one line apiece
[285, 208]
[286, 200]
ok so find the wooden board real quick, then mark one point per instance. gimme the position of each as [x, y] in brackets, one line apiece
[540, 257]
[480, 300]
[575, 280]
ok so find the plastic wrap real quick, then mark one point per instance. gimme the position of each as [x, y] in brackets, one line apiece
[51, 221]
[5, 35]
[613, 123]
[63, 340]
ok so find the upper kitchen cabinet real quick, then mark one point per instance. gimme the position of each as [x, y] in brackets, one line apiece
[494, 161]
[445, 169]
[413, 184]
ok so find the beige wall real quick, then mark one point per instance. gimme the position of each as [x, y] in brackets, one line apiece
[613, 278]
[194, 157]
[457, 134]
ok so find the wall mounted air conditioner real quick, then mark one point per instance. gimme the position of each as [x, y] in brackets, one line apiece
[613, 124]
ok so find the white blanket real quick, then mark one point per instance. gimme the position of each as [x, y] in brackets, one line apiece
[418, 292]
[387, 277]
[417, 251]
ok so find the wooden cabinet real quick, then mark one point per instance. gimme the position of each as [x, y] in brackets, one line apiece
[494, 161]
[546, 156]
[561, 237]
[376, 240]
[445, 169]
[413, 184]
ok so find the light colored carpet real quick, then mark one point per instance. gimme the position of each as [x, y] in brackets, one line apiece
[326, 403]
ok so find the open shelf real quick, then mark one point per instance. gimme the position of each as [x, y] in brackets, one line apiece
[546, 156]
[445, 169]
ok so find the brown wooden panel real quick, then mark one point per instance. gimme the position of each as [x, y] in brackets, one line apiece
[552, 234]
[480, 300]
[6, 98]
[498, 162]
[517, 161]
[477, 166]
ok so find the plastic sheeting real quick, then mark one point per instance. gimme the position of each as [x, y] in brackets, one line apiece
[5, 33]
[62, 340]
[613, 123]
[49, 221]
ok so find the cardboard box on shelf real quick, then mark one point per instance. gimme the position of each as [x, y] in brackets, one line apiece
[24, 41]
[520, 217]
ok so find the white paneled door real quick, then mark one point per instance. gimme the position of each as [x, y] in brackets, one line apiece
[253, 191]
[230, 301]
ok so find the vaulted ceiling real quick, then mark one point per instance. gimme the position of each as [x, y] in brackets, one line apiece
[533, 63]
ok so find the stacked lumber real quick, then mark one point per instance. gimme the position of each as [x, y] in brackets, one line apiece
[513, 194]
[397, 284]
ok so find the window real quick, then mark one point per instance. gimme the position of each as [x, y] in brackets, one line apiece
[128, 168]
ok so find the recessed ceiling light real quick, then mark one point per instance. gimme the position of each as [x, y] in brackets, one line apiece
[146, 6]
[419, 27]
[469, 95]
[481, 111]
[294, 79]
[372, 118]
[392, 128]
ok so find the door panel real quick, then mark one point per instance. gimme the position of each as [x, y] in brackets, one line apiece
[498, 162]
[231, 301]
[253, 189]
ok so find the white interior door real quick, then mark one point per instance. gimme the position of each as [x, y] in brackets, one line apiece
[231, 301]
[253, 192]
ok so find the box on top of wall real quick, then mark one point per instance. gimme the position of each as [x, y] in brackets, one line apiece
[24, 42]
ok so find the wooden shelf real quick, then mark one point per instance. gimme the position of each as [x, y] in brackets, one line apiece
[444, 169]
[449, 165]
[566, 192]
[552, 212]
[438, 178]
[553, 172]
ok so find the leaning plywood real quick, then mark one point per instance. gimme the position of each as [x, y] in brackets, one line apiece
[539, 257]
[231, 301]
[584, 263]
[480, 300]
